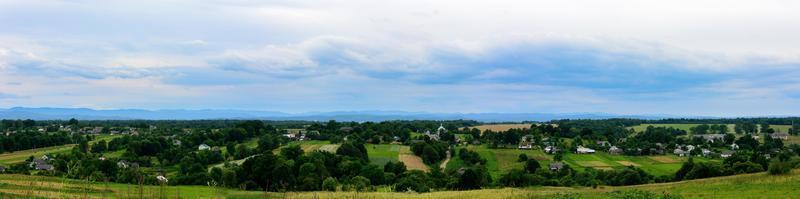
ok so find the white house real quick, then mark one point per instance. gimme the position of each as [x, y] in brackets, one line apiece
[582, 149]
[726, 154]
[203, 147]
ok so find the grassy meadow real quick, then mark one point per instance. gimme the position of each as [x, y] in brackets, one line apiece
[758, 185]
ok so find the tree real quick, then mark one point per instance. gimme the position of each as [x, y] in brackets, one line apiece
[99, 147]
[292, 152]
[779, 167]
[360, 183]
[429, 155]
[531, 165]
[72, 122]
[729, 138]
[522, 157]
[764, 128]
[330, 184]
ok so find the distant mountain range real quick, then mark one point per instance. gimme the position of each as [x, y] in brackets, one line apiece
[180, 114]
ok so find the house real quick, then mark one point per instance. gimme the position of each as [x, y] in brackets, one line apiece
[582, 149]
[41, 164]
[126, 164]
[734, 146]
[615, 150]
[712, 137]
[44, 167]
[782, 136]
[525, 145]
[680, 152]
[726, 154]
[97, 130]
[551, 149]
[705, 152]
[289, 135]
[603, 143]
[556, 166]
[203, 147]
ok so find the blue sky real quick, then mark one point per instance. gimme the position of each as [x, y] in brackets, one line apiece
[713, 58]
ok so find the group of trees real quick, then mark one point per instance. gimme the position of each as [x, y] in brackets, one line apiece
[172, 145]
[430, 152]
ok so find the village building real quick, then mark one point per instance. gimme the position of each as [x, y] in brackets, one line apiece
[781, 136]
[551, 149]
[603, 143]
[712, 137]
[615, 150]
[203, 147]
[705, 152]
[726, 154]
[584, 150]
[680, 152]
[556, 166]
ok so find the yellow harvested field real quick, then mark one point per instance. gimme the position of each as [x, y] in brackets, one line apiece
[627, 163]
[664, 159]
[592, 164]
[502, 127]
[413, 162]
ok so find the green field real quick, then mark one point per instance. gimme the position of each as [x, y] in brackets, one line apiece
[21, 156]
[500, 161]
[759, 185]
[380, 154]
[654, 165]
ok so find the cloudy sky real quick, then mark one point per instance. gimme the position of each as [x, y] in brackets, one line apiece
[693, 57]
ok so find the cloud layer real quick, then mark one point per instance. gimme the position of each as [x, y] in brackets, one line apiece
[448, 56]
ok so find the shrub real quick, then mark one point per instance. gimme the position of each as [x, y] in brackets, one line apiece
[522, 158]
[329, 184]
[778, 167]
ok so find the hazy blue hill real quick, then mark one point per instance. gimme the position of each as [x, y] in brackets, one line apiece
[181, 114]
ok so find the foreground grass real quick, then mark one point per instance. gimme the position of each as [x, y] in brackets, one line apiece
[759, 185]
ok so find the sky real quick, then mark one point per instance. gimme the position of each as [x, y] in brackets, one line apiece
[683, 57]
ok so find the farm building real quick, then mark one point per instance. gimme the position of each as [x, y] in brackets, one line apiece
[680, 152]
[555, 166]
[525, 145]
[551, 149]
[615, 150]
[726, 154]
[782, 136]
[582, 149]
[712, 137]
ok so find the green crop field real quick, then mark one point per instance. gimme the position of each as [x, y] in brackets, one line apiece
[500, 161]
[654, 165]
[759, 185]
[380, 154]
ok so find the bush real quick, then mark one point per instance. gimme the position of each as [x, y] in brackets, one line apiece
[531, 165]
[329, 184]
[778, 167]
[522, 158]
